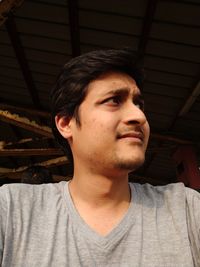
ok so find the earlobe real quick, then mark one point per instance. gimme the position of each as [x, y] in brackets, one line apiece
[63, 125]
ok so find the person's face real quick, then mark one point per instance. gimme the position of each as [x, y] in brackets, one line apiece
[114, 131]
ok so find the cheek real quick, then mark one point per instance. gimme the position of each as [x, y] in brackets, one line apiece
[147, 131]
[101, 132]
[101, 127]
[102, 122]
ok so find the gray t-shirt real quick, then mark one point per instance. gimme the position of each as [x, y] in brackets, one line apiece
[40, 227]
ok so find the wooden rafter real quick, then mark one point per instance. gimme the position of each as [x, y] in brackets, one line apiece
[23, 62]
[48, 163]
[190, 100]
[74, 27]
[31, 111]
[146, 28]
[25, 123]
[17, 176]
[30, 152]
[8, 6]
[21, 57]
[4, 144]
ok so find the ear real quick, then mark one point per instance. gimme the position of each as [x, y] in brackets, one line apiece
[63, 124]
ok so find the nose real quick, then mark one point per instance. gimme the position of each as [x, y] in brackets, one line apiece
[134, 115]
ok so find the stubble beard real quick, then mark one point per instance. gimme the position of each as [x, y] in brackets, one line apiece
[116, 162]
[128, 164]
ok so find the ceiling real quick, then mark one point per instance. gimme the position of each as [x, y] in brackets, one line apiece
[40, 36]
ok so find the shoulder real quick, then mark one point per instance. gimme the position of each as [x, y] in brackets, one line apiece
[193, 222]
[23, 193]
[175, 196]
[171, 196]
[166, 192]
[192, 195]
[193, 205]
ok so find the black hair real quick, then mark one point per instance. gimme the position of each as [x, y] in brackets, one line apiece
[71, 85]
[37, 175]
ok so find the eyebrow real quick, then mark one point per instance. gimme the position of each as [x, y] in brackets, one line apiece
[124, 92]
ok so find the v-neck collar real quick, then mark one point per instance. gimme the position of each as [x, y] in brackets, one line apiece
[115, 234]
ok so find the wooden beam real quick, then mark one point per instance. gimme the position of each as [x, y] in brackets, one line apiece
[23, 62]
[30, 152]
[146, 28]
[25, 123]
[25, 110]
[4, 144]
[74, 27]
[18, 175]
[21, 57]
[48, 163]
[54, 162]
[6, 7]
[190, 100]
[18, 135]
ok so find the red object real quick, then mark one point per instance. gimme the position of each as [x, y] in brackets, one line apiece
[187, 168]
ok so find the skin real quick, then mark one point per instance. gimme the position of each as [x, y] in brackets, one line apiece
[110, 142]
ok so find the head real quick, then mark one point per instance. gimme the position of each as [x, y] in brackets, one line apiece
[37, 175]
[87, 76]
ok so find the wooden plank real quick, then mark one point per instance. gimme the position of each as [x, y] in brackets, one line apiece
[17, 176]
[21, 57]
[126, 8]
[3, 144]
[25, 123]
[48, 163]
[74, 27]
[146, 28]
[107, 39]
[8, 7]
[26, 110]
[38, 10]
[188, 13]
[42, 28]
[30, 152]
[173, 50]
[110, 22]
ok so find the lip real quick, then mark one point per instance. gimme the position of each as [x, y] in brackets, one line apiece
[134, 136]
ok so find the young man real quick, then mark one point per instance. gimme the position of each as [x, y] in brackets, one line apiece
[98, 218]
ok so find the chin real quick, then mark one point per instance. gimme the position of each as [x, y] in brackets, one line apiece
[130, 164]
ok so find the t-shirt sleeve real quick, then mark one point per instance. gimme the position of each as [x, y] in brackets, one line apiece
[3, 218]
[193, 221]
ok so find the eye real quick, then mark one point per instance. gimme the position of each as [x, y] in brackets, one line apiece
[114, 100]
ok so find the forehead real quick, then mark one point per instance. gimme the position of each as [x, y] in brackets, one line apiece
[112, 81]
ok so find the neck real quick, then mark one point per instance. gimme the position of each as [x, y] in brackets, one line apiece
[98, 190]
[100, 200]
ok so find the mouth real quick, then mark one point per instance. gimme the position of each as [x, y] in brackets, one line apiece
[133, 136]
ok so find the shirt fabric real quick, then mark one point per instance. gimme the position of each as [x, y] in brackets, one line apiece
[40, 227]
